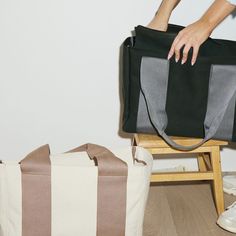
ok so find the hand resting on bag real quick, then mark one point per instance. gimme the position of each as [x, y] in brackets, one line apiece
[193, 35]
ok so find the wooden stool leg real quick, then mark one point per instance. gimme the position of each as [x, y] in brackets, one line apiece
[204, 162]
[201, 162]
[217, 181]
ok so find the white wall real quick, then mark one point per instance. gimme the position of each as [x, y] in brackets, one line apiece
[59, 70]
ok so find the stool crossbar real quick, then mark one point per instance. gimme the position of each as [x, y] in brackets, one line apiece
[208, 156]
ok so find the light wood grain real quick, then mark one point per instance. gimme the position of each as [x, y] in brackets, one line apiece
[181, 176]
[168, 150]
[149, 140]
[217, 181]
[204, 162]
[158, 213]
[208, 156]
[182, 209]
[201, 162]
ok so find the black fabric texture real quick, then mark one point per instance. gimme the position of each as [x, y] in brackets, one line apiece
[187, 85]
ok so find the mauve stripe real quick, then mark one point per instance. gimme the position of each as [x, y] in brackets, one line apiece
[112, 185]
[36, 193]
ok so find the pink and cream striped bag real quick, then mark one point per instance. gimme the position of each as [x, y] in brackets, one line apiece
[89, 191]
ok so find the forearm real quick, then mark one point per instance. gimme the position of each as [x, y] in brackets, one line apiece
[216, 13]
[163, 14]
[165, 10]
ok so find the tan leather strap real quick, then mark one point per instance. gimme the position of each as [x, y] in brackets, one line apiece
[36, 191]
[112, 185]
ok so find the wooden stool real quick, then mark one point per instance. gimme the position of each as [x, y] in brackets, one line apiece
[208, 156]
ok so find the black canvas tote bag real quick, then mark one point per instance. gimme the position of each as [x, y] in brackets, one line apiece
[165, 97]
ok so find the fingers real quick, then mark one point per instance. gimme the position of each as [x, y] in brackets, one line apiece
[172, 49]
[185, 53]
[195, 54]
[177, 51]
[184, 40]
[176, 46]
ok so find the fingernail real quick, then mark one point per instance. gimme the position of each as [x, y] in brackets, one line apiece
[169, 56]
[176, 60]
[182, 62]
[192, 63]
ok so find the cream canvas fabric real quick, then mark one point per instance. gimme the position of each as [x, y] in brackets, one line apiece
[74, 180]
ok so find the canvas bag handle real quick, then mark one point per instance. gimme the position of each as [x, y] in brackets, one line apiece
[108, 163]
[38, 161]
[36, 191]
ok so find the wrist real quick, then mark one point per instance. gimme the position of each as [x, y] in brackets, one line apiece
[209, 24]
[161, 26]
[216, 13]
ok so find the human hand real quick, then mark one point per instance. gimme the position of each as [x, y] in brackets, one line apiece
[191, 36]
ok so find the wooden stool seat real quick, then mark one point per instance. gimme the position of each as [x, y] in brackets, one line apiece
[208, 156]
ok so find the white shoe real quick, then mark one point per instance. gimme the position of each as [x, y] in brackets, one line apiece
[229, 184]
[227, 219]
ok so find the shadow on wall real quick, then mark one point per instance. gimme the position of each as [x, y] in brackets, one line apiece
[232, 146]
